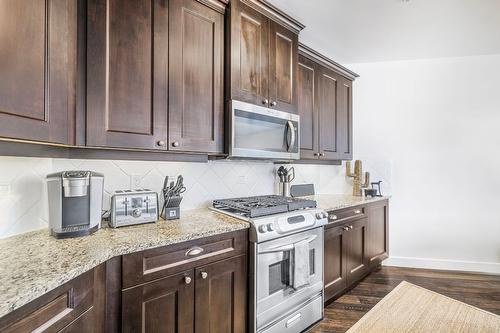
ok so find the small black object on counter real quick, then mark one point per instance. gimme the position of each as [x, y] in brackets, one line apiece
[172, 198]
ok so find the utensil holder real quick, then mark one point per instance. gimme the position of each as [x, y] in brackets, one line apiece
[284, 189]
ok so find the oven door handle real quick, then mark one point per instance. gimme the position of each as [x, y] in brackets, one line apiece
[288, 247]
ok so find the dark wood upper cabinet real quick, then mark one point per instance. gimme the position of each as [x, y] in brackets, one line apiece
[196, 53]
[344, 118]
[327, 104]
[306, 89]
[221, 296]
[127, 58]
[249, 54]
[165, 305]
[38, 70]
[326, 121]
[283, 55]
[262, 50]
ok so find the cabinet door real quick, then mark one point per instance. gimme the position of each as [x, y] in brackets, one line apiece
[334, 261]
[221, 290]
[249, 55]
[344, 125]
[306, 77]
[283, 53]
[127, 57]
[196, 48]
[326, 102]
[356, 252]
[38, 70]
[378, 233]
[164, 305]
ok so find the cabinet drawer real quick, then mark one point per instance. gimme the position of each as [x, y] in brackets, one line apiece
[153, 264]
[55, 310]
[347, 214]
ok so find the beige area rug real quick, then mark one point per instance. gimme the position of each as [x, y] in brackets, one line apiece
[413, 309]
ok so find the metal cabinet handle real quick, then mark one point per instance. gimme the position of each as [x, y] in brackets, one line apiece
[333, 217]
[265, 102]
[194, 251]
[350, 227]
[204, 275]
[273, 103]
[321, 154]
[187, 279]
[175, 144]
[291, 129]
[345, 228]
[357, 211]
[316, 154]
[160, 143]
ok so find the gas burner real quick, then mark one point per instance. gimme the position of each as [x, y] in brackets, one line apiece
[263, 205]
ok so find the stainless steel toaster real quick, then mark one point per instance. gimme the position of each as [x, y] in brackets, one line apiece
[130, 207]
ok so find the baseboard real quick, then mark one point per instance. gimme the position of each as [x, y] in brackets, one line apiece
[453, 265]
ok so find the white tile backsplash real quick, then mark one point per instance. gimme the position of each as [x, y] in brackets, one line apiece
[24, 205]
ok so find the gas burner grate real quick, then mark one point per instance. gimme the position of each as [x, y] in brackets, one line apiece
[264, 205]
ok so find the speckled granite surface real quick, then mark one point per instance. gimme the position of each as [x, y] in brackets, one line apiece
[330, 202]
[34, 263]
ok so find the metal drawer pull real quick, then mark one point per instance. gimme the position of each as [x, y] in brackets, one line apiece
[357, 211]
[204, 275]
[333, 217]
[292, 321]
[194, 251]
[187, 279]
[345, 228]
[350, 227]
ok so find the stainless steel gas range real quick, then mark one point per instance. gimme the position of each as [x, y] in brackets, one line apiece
[286, 260]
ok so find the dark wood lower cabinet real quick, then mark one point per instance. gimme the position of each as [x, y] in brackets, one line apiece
[221, 296]
[356, 241]
[354, 245]
[334, 261]
[378, 228]
[208, 296]
[165, 305]
[76, 306]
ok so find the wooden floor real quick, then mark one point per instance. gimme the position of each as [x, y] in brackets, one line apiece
[482, 291]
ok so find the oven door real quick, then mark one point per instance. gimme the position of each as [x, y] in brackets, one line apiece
[275, 295]
[259, 132]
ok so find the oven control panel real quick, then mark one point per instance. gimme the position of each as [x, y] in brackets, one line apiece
[277, 225]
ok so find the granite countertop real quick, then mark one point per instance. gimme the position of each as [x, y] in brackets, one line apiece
[331, 202]
[34, 263]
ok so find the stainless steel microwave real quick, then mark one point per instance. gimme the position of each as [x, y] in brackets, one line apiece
[261, 132]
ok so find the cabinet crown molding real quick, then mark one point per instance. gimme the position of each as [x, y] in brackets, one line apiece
[306, 51]
[217, 5]
[275, 14]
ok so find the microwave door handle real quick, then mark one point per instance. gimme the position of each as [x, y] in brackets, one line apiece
[288, 247]
[291, 129]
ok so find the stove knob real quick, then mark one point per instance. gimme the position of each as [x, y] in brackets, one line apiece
[270, 227]
[262, 228]
[321, 215]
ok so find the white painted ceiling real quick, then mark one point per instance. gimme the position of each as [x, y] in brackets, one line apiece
[353, 31]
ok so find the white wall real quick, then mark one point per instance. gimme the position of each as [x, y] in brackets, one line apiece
[438, 124]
